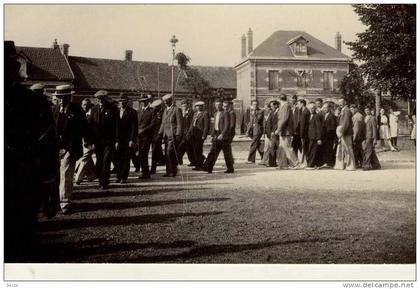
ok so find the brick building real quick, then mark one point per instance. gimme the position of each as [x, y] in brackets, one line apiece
[291, 62]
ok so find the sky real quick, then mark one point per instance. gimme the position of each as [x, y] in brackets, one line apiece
[209, 34]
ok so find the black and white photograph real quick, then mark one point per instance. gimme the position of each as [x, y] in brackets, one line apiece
[277, 136]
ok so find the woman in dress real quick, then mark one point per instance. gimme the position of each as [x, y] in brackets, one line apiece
[384, 131]
[393, 126]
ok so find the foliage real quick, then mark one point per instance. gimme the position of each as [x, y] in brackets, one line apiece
[387, 49]
[354, 89]
[182, 59]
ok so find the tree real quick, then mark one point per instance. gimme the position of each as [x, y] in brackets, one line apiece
[387, 49]
[354, 89]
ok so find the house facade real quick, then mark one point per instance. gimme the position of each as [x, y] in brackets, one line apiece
[290, 62]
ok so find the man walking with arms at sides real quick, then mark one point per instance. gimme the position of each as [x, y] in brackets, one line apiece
[303, 131]
[329, 127]
[158, 158]
[198, 131]
[296, 141]
[370, 159]
[71, 128]
[287, 158]
[272, 123]
[345, 139]
[255, 131]
[314, 137]
[85, 165]
[170, 130]
[145, 135]
[220, 139]
[185, 145]
[359, 134]
[127, 137]
[267, 136]
[105, 135]
[228, 107]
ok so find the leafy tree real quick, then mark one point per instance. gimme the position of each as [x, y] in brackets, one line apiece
[387, 49]
[354, 89]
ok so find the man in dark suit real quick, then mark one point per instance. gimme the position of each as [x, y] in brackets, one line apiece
[370, 159]
[285, 128]
[346, 138]
[127, 137]
[228, 107]
[359, 134]
[185, 144]
[220, 139]
[171, 130]
[329, 126]
[271, 127]
[314, 137]
[255, 131]
[158, 158]
[145, 135]
[71, 128]
[296, 141]
[105, 118]
[198, 131]
[303, 131]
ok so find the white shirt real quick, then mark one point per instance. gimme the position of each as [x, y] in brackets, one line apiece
[122, 112]
[216, 120]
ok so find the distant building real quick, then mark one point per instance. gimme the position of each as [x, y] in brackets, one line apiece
[291, 62]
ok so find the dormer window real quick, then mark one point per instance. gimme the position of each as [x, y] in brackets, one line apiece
[298, 46]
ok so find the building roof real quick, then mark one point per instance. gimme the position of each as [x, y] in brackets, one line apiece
[46, 63]
[99, 73]
[276, 46]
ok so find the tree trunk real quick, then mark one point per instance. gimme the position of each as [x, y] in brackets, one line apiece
[378, 96]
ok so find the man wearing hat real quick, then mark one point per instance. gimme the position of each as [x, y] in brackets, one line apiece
[37, 87]
[171, 130]
[198, 131]
[145, 135]
[127, 137]
[158, 158]
[71, 128]
[105, 118]
[185, 144]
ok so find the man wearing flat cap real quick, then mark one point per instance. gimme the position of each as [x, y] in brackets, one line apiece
[185, 144]
[145, 135]
[171, 130]
[127, 137]
[198, 130]
[72, 129]
[104, 119]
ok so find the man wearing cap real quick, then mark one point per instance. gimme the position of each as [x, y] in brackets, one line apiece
[72, 129]
[145, 134]
[171, 130]
[185, 144]
[255, 131]
[359, 134]
[105, 135]
[158, 158]
[198, 131]
[220, 140]
[127, 137]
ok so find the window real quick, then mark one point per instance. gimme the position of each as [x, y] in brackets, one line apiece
[300, 49]
[328, 80]
[301, 79]
[273, 80]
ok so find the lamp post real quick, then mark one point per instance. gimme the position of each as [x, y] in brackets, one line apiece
[173, 41]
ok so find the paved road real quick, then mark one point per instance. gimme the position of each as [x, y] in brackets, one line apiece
[257, 215]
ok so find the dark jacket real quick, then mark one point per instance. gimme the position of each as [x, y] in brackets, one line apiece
[186, 122]
[256, 123]
[171, 122]
[127, 126]
[314, 127]
[285, 124]
[304, 121]
[71, 128]
[346, 121]
[156, 122]
[145, 123]
[268, 123]
[329, 126]
[105, 124]
[201, 127]
[296, 120]
[371, 128]
[224, 125]
[232, 120]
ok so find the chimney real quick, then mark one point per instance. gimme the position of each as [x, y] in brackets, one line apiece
[338, 41]
[55, 44]
[65, 49]
[243, 46]
[129, 55]
[250, 41]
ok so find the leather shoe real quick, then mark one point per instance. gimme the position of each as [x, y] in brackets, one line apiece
[229, 172]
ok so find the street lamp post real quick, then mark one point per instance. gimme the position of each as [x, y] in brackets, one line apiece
[173, 41]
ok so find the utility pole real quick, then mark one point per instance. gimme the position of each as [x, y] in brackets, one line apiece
[173, 41]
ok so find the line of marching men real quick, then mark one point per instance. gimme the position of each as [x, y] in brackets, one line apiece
[313, 136]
